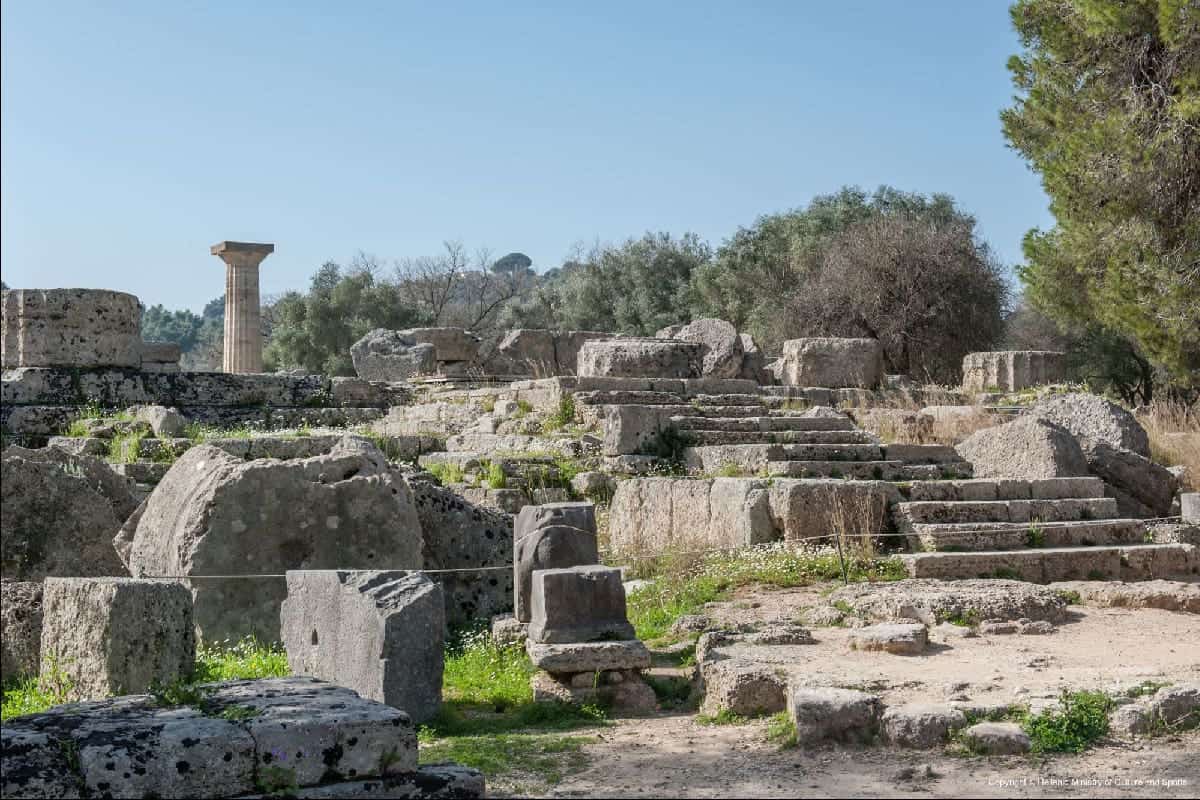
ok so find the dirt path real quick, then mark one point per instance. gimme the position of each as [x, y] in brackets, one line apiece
[674, 756]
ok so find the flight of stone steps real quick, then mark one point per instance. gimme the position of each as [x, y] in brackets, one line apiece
[1043, 530]
[777, 437]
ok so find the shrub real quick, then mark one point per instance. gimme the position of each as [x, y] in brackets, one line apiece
[1080, 720]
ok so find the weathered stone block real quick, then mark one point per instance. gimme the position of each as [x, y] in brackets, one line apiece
[214, 514]
[623, 692]
[996, 739]
[21, 617]
[743, 688]
[58, 515]
[70, 328]
[576, 657]
[384, 355]
[652, 515]
[723, 351]
[449, 344]
[1091, 419]
[578, 604]
[378, 633]
[898, 638]
[845, 715]
[1189, 506]
[1012, 370]
[1027, 448]
[115, 635]
[832, 363]
[550, 536]
[921, 725]
[640, 358]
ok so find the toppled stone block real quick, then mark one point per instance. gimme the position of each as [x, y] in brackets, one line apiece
[832, 363]
[996, 739]
[508, 631]
[54, 516]
[1167, 595]
[449, 344]
[378, 633]
[1149, 486]
[167, 423]
[316, 731]
[723, 351]
[551, 536]
[844, 715]
[921, 725]
[640, 358]
[1171, 708]
[905, 639]
[115, 635]
[588, 656]
[1012, 370]
[1028, 448]
[70, 328]
[742, 688]
[384, 355]
[21, 621]
[215, 514]
[1092, 420]
[578, 604]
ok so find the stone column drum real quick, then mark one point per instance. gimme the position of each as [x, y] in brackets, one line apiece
[243, 321]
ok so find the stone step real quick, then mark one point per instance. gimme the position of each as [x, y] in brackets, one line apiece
[856, 470]
[774, 424]
[1003, 489]
[148, 472]
[946, 471]
[922, 453]
[701, 438]
[1046, 565]
[1016, 535]
[826, 452]
[649, 398]
[753, 458]
[1019, 511]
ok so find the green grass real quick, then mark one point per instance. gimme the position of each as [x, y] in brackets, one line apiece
[489, 721]
[496, 479]
[652, 609]
[1035, 537]
[246, 659]
[446, 472]
[563, 416]
[781, 730]
[722, 717]
[1080, 720]
[1070, 597]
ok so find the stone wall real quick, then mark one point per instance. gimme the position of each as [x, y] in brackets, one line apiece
[1012, 370]
[41, 401]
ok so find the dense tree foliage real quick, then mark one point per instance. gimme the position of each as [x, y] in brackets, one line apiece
[903, 268]
[314, 331]
[635, 288]
[1108, 112]
[199, 336]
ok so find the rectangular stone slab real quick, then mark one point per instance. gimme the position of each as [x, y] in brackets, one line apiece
[578, 604]
[589, 656]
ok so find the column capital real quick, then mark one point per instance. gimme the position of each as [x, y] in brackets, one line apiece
[242, 253]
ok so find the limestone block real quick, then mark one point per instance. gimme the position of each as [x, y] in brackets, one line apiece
[1170, 708]
[36, 765]
[457, 534]
[631, 429]
[921, 725]
[449, 344]
[832, 363]
[1189, 506]
[160, 356]
[898, 638]
[932, 601]
[996, 739]
[1092, 420]
[550, 536]
[116, 635]
[167, 423]
[652, 515]
[803, 509]
[428, 782]
[1012, 370]
[723, 351]
[623, 692]
[21, 617]
[601, 485]
[383, 355]
[215, 514]
[578, 604]
[378, 633]
[55, 518]
[567, 345]
[574, 657]
[1028, 448]
[747, 689]
[1148, 483]
[823, 714]
[640, 358]
[70, 328]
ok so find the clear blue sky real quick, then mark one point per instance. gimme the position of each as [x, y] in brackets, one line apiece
[135, 135]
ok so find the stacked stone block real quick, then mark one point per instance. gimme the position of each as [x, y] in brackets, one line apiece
[1012, 370]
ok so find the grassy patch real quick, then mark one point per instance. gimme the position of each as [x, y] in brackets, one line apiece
[1146, 688]
[1080, 720]
[496, 479]
[681, 588]
[781, 730]
[722, 717]
[244, 660]
[530, 761]
[446, 472]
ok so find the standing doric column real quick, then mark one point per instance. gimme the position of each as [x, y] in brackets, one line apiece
[243, 322]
